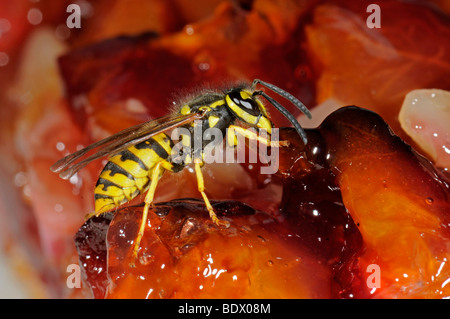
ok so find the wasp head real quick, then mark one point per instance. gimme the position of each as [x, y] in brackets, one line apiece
[247, 108]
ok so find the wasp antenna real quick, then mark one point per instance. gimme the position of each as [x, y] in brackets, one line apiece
[66, 174]
[57, 167]
[286, 113]
[284, 94]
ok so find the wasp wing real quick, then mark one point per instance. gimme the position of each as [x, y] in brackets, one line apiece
[120, 141]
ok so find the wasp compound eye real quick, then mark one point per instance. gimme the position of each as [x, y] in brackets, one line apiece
[245, 102]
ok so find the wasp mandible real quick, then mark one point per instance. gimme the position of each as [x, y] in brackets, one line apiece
[139, 155]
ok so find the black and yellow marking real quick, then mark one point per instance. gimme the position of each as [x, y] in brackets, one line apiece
[140, 155]
[127, 174]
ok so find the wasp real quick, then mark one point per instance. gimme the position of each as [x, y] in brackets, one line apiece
[139, 155]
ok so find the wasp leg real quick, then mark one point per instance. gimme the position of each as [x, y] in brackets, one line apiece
[201, 189]
[252, 136]
[156, 173]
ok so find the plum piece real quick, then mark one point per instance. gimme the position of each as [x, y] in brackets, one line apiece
[355, 196]
[184, 255]
[90, 241]
[398, 199]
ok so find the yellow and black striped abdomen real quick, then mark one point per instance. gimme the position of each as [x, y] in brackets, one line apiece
[127, 174]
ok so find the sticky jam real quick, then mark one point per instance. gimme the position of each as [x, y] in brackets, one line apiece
[356, 195]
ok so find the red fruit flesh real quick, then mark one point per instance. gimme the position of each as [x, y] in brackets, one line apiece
[356, 195]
